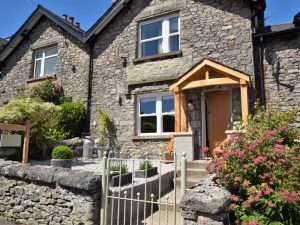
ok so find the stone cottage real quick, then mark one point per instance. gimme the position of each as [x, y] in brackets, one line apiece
[160, 68]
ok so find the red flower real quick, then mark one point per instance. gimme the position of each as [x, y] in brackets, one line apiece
[269, 134]
[205, 150]
[279, 149]
[208, 168]
[234, 198]
[246, 205]
[259, 160]
[271, 204]
[259, 141]
[283, 128]
[251, 147]
[246, 166]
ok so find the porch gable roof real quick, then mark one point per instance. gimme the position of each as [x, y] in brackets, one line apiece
[207, 65]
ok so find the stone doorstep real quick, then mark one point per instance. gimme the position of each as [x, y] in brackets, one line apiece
[198, 164]
[194, 173]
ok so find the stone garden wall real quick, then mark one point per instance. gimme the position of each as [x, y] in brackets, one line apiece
[33, 195]
[206, 203]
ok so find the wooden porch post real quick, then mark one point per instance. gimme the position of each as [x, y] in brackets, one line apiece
[177, 110]
[183, 119]
[244, 100]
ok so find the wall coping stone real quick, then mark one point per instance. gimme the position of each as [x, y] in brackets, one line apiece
[207, 199]
[82, 180]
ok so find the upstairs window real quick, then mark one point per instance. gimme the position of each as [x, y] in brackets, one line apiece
[45, 62]
[156, 114]
[159, 36]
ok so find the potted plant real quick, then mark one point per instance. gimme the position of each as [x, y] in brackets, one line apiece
[146, 170]
[61, 156]
[118, 172]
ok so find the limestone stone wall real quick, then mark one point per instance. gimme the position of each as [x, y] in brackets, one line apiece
[36, 195]
[72, 66]
[282, 80]
[220, 30]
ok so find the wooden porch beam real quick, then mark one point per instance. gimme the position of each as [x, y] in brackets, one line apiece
[210, 82]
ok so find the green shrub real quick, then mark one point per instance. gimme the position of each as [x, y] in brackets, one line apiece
[42, 115]
[47, 91]
[260, 166]
[71, 119]
[145, 165]
[56, 135]
[62, 152]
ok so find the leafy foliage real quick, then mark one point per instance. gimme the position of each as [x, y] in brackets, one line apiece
[105, 121]
[43, 115]
[116, 169]
[47, 91]
[71, 120]
[145, 165]
[62, 152]
[260, 165]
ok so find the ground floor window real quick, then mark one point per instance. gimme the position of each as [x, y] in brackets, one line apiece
[155, 114]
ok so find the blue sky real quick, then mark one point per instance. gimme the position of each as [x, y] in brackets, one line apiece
[13, 13]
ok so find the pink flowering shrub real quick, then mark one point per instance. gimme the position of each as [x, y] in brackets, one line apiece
[261, 167]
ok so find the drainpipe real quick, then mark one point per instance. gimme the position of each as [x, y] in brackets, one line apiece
[262, 75]
[90, 85]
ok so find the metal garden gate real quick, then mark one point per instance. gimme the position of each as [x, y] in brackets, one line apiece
[141, 196]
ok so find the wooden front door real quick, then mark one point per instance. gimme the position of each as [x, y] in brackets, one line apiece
[218, 117]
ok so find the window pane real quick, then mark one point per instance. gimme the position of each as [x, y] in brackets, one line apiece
[174, 43]
[50, 65]
[151, 30]
[147, 105]
[168, 123]
[151, 48]
[39, 54]
[148, 124]
[168, 104]
[38, 64]
[50, 51]
[173, 25]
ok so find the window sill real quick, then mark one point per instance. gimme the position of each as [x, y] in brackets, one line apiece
[150, 58]
[151, 137]
[50, 77]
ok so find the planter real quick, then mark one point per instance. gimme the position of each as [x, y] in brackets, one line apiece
[126, 178]
[146, 173]
[65, 163]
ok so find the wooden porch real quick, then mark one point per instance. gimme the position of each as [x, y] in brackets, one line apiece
[207, 74]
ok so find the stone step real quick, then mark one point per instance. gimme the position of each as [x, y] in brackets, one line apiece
[194, 173]
[198, 164]
[189, 183]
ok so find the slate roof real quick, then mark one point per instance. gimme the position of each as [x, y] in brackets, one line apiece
[3, 42]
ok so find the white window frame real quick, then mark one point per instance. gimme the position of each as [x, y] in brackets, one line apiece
[165, 33]
[42, 59]
[159, 114]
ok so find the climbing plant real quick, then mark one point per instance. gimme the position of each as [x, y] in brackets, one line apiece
[104, 122]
